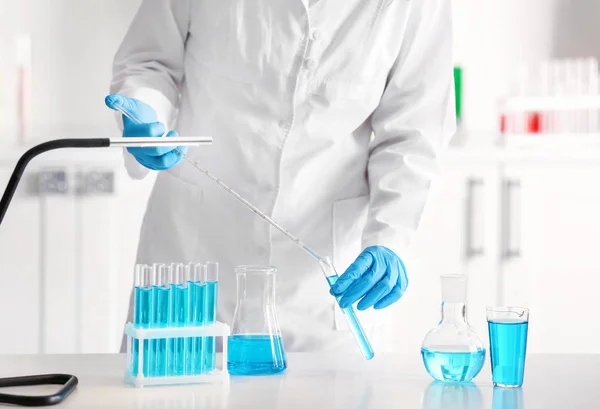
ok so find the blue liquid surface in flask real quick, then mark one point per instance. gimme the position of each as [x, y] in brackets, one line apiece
[210, 316]
[160, 319]
[508, 347]
[177, 318]
[356, 328]
[194, 346]
[141, 319]
[255, 355]
[453, 366]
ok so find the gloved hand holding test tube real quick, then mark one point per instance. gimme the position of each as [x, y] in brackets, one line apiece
[121, 104]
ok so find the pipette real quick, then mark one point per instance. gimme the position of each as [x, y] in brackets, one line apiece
[325, 263]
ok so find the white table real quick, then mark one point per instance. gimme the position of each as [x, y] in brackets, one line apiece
[326, 381]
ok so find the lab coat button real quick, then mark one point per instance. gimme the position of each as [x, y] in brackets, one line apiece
[311, 64]
[316, 34]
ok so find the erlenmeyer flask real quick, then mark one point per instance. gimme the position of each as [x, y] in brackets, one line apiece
[255, 346]
[452, 351]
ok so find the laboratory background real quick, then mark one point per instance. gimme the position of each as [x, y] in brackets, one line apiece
[515, 207]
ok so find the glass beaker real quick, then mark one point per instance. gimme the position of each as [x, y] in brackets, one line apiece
[507, 327]
[452, 351]
[255, 346]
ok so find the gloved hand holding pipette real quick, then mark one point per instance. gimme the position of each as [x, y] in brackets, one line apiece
[139, 119]
[378, 276]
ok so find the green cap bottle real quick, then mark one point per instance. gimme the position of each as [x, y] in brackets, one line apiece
[458, 91]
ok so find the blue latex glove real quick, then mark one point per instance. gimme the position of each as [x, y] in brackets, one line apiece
[378, 275]
[155, 158]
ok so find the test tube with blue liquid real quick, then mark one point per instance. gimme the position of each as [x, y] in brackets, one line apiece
[210, 312]
[142, 315]
[197, 293]
[179, 298]
[160, 318]
[355, 327]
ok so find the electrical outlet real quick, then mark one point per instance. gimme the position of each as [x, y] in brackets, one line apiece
[52, 182]
[95, 182]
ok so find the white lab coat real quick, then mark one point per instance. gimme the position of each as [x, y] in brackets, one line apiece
[291, 92]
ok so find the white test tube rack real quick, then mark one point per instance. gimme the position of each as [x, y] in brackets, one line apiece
[218, 375]
[561, 97]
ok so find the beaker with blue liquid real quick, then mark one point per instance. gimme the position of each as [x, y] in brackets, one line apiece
[255, 346]
[452, 351]
[508, 327]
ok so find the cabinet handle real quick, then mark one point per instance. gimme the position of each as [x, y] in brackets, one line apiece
[511, 220]
[474, 195]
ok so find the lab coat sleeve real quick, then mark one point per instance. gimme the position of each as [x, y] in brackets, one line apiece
[412, 124]
[149, 63]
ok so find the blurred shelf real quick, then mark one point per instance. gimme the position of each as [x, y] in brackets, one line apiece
[568, 141]
[577, 148]
[554, 103]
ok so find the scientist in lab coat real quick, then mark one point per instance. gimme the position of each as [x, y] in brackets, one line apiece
[292, 92]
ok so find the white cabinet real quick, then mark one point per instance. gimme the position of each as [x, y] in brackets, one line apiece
[20, 273]
[525, 230]
[456, 236]
[58, 263]
[550, 257]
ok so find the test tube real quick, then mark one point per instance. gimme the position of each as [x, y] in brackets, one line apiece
[355, 327]
[592, 67]
[522, 118]
[210, 313]
[196, 317]
[187, 342]
[178, 296]
[545, 92]
[555, 89]
[160, 318]
[142, 313]
[563, 73]
[581, 79]
[138, 284]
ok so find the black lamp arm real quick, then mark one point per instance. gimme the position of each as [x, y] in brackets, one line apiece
[15, 178]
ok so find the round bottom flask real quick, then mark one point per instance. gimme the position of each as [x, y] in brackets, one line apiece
[452, 351]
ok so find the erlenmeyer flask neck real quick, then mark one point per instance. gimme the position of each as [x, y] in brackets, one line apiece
[256, 285]
[454, 312]
[255, 311]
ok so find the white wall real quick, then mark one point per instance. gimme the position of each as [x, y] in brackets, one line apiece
[73, 44]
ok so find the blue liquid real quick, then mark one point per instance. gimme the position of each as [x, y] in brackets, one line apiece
[508, 345]
[141, 319]
[160, 319]
[255, 355]
[453, 366]
[210, 316]
[194, 346]
[177, 318]
[355, 327]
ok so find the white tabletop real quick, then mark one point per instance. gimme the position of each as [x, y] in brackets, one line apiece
[324, 381]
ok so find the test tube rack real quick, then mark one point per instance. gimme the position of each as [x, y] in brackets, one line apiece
[144, 335]
[552, 103]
